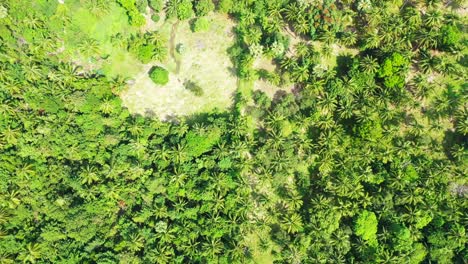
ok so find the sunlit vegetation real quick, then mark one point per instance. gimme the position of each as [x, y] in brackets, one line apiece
[361, 159]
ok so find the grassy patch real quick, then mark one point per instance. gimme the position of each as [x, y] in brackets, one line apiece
[89, 36]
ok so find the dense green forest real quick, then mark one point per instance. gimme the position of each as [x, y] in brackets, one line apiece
[364, 161]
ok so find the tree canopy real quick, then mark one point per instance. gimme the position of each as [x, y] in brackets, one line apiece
[362, 160]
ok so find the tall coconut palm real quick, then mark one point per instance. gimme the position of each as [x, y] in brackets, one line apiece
[427, 38]
[292, 11]
[349, 38]
[369, 64]
[433, 19]
[300, 73]
[301, 25]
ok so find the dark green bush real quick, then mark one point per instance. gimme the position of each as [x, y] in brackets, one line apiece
[159, 75]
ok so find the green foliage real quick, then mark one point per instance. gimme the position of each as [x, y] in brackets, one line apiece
[200, 24]
[159, 75]
[182, 9]
[156, 5]
[366, 227]
[225, 6]
[141, 5]
[401, 239]
[393, 71]
[148, 47]
[201, 142]
[296, 178]
[203, 7]
[135, 17]
[3, 12]
[450, 36]
[155, 18]
[146, 52]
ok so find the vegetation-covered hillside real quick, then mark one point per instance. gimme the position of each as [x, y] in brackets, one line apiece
[345, 141]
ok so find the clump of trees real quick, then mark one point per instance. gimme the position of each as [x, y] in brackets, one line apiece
[148, 47]
[135, 17]
[182, 9]
[363, 163]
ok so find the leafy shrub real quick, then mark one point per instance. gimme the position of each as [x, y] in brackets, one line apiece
[202, 142]
[146, 52]
[392, 71]
[182, 9]
[200, 24]
[159, 75]
[135, 18]
[180, 48]
[450, 36]
[203, 7]
[141, 5]
[366, 227]
[156, 5]
[225, 5]
[155, 18]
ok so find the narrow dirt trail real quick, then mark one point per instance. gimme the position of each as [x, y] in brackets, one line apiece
[172, 47]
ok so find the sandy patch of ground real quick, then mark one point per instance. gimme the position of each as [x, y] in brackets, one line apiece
[265, 86]
[205, 61]
[271, 89]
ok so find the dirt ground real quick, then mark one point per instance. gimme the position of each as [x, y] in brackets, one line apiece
[205, 61]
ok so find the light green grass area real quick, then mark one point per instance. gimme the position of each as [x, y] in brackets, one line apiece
[91, 39]
[205, 61]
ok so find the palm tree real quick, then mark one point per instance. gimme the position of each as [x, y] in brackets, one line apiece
[160, 254]
[327, 50]
[346, 110]
[300, 73]
[412, 17]
[426, 61]
[89, 47]
[171, 7]
[248, 18]
[349, 38]
[89, 175]
[327, 37]
[302, 49]
[462, 120]
[372, 40]
[32, 253]
[252, 36]
[179, 154]
[32, 22]
[327, 102]
[427, 39]
[212, 248]
[369, 64]
[433, 19]
[301, 25]
[292, 11]
[96, 7]
[292, 223]
[136, 130]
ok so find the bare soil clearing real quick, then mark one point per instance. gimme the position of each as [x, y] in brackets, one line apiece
[205, 61]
